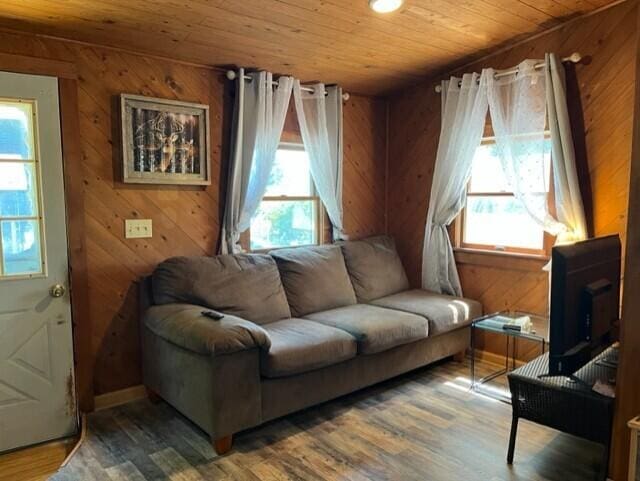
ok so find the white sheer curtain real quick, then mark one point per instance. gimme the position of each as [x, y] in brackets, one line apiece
[463, 118]
[568, 199]
[519, 107]
[320, 119]
[259, 116]
[518, 116]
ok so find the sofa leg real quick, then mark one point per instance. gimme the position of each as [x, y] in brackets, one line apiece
[153, 396]
[459, 356]
[223, 445]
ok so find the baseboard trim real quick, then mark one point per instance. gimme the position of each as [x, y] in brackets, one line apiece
[80, 438]
[117, 398]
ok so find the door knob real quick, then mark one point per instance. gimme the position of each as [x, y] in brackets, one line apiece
[57, 290]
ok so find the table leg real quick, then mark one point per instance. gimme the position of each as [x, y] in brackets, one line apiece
[512, 439]
[633, 454]
[506, 355]
[473, 356]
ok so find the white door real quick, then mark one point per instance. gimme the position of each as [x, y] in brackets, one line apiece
[37, 397]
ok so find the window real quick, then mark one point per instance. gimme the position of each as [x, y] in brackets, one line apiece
[289, 212]
[20, 219]
[493, 218]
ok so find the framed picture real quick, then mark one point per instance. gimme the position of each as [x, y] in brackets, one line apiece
[164, 141]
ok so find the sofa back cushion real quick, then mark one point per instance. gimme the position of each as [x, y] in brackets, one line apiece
[244, 285]
[314, 278]
[375, 267]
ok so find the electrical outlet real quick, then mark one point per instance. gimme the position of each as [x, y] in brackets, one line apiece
[138, 228]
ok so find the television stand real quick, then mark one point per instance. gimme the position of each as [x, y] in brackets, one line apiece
[569, 406]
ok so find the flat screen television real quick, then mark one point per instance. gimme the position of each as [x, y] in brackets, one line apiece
[585, 302]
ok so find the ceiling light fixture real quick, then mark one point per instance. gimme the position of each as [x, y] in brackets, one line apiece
[385, 6]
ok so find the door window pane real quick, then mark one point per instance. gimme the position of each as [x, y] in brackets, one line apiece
[16, 130]
[18, 189]
[280, 223]
[21, 250]
[501, 221]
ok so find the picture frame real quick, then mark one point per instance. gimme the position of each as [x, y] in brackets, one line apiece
[164, 141]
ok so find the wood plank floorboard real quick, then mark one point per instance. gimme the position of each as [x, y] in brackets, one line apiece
[425, 425]
[35, 463]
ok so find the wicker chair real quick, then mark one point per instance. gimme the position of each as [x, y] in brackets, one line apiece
[568, 405]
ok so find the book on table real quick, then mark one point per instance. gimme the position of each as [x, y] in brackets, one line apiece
[519, 324]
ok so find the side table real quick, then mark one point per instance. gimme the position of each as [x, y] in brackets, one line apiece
[494, 323]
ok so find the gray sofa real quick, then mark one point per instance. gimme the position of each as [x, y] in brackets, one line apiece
[301, 326]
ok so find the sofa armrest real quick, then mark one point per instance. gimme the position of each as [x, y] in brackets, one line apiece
[185, 326]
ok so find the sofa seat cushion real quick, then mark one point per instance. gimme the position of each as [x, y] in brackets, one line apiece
[243, 285]
[301, 345]
[376, 329]
[375, 267]
[445, 313]
[314, 278]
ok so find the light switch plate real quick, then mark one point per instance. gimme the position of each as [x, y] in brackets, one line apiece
[138, 228]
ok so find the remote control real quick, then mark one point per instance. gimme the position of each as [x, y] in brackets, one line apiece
[511, 327]
[216, 316]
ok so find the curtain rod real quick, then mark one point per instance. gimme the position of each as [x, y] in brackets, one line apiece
[231, 75]
[573, 58]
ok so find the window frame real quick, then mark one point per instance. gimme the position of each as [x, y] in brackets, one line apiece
[318, 208]
[547, 241]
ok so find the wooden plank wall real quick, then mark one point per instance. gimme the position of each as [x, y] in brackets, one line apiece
[601, 93]
[627, 382]
[185, 219]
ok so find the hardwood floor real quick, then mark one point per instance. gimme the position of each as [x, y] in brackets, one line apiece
[422, 426]
[36, 463]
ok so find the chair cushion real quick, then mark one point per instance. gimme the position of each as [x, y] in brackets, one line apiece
[445, 313]
[314, 278]
[376, 329]
[300, 345]
[243, 285]
[375, 267]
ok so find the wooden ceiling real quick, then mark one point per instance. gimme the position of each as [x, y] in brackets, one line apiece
[339, 41]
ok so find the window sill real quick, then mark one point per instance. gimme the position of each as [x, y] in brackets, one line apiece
[271, 249]
[503, 260]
